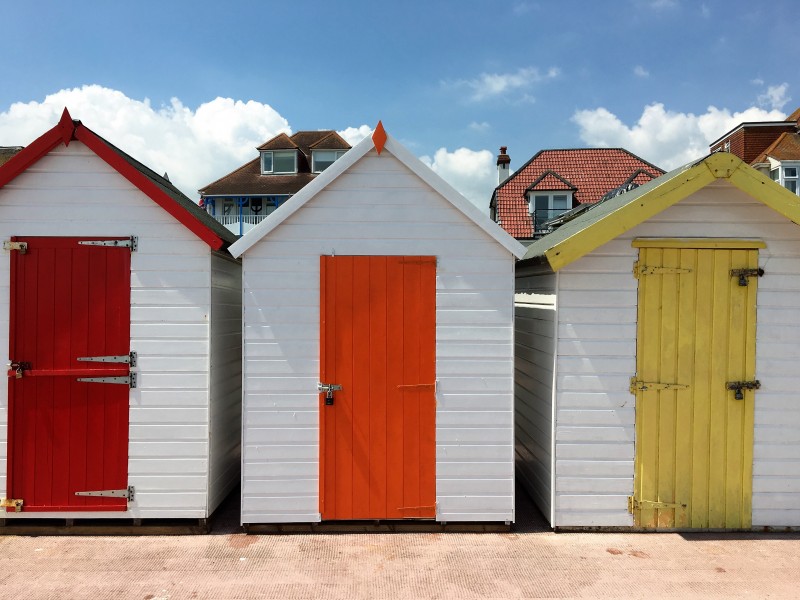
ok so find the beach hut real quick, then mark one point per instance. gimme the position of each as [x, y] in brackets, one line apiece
[121, 312]
[656, 357]
[378, 342]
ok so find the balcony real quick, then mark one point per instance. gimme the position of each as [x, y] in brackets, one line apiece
[240, 224]
[541, 216]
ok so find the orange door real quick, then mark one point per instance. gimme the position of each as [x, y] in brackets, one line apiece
[378, 342]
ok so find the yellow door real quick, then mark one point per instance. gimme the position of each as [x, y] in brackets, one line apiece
[696, 334]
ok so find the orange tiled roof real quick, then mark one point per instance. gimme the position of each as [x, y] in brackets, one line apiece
[590, 172]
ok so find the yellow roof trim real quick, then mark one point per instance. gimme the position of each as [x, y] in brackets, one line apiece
[629, 216]
[700, 243]
[774, 195]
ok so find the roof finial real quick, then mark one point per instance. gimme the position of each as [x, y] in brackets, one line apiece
[379, 137]
[67, 127]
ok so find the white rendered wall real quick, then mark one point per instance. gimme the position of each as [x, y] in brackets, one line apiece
[378, 207]
[72, 192]
[597, 356]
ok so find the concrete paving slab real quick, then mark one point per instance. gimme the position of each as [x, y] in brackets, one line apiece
[529, 562]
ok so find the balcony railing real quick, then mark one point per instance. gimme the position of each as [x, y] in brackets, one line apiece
[234, 219]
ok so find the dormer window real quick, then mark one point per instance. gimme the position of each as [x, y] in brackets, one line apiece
[322, 159]
[544, 206]
[279, 162]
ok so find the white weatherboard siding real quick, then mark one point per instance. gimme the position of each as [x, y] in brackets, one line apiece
[226, 378]
[72, 192]
[597, 356]
[534, 356]
[378, 207]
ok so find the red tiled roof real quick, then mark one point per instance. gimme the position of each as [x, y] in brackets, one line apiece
[592, 172]
[786, 147]
[551, 182]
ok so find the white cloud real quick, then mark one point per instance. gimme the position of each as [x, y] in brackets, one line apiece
[665, 138]
[353, 135]
[494, 85]
[705, 11]
[663, 4]
[481, 127]
[194, 147]
[471, 172]
[776, 97]
[640, 71]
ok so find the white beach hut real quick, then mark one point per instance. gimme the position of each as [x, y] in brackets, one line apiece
[378, 336]
[122, 315]
[656, 357]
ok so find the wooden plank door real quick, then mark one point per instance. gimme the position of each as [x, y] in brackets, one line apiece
[378, 342]
[68, 301]
[694, 439]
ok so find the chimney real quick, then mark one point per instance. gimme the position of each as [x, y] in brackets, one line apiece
[503, 164]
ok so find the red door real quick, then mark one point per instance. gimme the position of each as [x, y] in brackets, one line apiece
[70, 302]
[378, 342]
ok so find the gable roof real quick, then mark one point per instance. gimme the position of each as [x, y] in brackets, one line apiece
[156, 187]
[592, 172]
[610, 219]
[786, 147]
[248, 180]
[551, 181]
[439, 185]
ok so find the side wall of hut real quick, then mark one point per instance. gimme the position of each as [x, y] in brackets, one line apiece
[534, 371]
[597, 319]
[378, 207]
[225, 410]
[73, 192]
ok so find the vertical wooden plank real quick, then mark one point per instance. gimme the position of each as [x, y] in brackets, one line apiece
[326, 423]
[79, 393]
[736, 371]
[702, 388]
[665, 460]
[427, 357]
[45, 421]
[97, 341]
[343, 407]
[411, 397]
[361, 387]
[748, 420]
[685, 368]
[718, 394]
[62, 340]
[395, 295]
[378, 382]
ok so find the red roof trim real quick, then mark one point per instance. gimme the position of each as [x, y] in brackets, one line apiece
[67, 130]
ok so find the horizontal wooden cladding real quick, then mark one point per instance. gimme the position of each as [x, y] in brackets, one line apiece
[699, 243]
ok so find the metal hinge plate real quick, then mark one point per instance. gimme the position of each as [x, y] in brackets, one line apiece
[22, 247]
[640, 270]
[644, 386]
[132, 243]
[634, 504]
[129, 380]
[128, 359]
[127, 493]
[14, 503]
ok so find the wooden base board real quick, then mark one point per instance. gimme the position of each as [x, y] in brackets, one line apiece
[376, 527]
[100, 527]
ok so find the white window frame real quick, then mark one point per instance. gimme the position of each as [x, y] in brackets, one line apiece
[550, 201]
[272, 154]
[783, 179]
[337, 154]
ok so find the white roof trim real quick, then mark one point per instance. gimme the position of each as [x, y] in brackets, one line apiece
[345, 162]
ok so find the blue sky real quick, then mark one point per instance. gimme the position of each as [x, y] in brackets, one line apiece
[453, 80]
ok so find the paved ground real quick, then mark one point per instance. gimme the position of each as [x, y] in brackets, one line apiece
[530, 562]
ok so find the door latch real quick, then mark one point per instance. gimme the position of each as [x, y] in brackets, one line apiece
[738, 386]
[18, 368]
[328, 389]
[743, 274]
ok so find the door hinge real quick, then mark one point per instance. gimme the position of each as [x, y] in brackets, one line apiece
[14, 503]
[738, 386]
[644, 386]
[22, 247]
[132, 243]
[639, 270]
[129, 380]
[129, 359]
[634, 504]
[127, 493]
[743, 274]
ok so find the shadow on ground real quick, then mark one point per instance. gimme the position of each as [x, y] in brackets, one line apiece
[226, 519]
